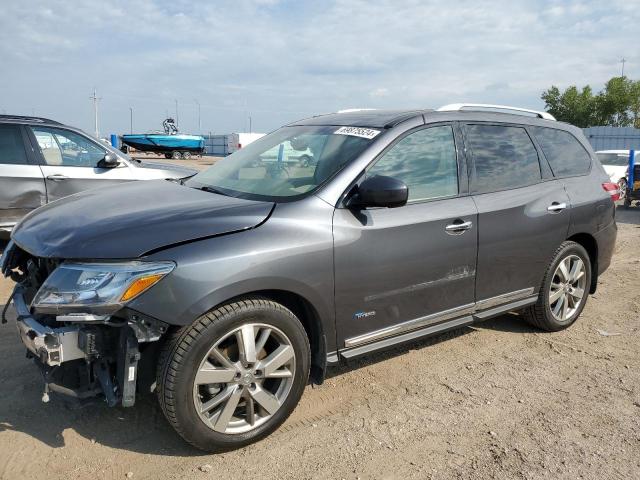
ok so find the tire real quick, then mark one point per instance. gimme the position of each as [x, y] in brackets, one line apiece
[167, 156]
[622, 185]
[186, 155]
[176, 155]
[627, 202]
[188, 355]
[543, 314]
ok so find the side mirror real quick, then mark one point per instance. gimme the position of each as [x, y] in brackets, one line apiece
[109, 161]
[380, 191]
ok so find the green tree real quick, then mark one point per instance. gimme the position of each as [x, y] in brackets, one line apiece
[572, 106]
[618, 104]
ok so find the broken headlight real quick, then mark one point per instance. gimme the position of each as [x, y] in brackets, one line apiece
[98, 288]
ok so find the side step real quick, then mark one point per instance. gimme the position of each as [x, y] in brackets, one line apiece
[433, 329]
[391, 341]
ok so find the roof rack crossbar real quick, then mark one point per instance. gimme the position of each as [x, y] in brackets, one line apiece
[455, 107]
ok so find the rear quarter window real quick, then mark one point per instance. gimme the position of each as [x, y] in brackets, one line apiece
[566, 156]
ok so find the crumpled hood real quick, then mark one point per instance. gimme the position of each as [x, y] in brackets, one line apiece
[129, 220]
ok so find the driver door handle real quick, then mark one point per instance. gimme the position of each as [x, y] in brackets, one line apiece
[56, 177]
[556, 207]
[458, 227]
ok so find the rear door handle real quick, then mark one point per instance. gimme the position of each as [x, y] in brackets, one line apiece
[458, 227]
[56, 177]
[556, 207]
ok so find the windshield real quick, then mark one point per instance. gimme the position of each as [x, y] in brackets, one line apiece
[287, 163]
[613, 159]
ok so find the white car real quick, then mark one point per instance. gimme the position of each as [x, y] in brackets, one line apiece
[616, 164]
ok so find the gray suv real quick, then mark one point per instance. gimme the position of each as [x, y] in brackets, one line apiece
[225, 293]
[42, 160]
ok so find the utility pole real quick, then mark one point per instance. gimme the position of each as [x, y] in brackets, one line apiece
[249, 123]
[131, 118]
[177, 118]
[623, 61]
[199, 125]
[95, 99]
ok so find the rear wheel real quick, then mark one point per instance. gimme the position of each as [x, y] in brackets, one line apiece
[564, 289]
[186, 155]
[622, 186]
[176, 155]
[234, 375]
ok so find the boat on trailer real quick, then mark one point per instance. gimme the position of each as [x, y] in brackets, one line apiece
[171, 143]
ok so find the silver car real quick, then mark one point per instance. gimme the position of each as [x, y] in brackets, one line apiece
[42, 160]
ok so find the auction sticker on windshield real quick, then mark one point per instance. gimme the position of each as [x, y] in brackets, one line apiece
[357, 132]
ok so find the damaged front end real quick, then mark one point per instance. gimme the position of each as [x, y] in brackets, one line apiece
[73, 319]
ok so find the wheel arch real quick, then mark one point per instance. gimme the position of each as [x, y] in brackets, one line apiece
[589, 243]
[311, 321]
[307, 313]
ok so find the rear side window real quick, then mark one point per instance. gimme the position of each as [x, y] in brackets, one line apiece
[563, 151]
[11, 146]
[503, 157]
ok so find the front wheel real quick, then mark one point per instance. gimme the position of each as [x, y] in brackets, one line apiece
[234, 375]
[564, 290]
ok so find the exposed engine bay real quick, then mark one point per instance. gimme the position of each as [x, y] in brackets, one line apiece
[81, 354]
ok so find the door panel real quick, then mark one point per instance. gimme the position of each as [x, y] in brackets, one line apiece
[521, 218]
[22, 186]
[517, 236]
[22, 189]
[62, 181]
[395, 265]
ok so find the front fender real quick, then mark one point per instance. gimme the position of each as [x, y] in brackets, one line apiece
[285, 254]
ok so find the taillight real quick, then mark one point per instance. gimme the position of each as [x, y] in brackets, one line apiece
[613, 189]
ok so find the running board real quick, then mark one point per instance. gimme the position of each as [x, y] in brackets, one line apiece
[405, 337]
[442, 327]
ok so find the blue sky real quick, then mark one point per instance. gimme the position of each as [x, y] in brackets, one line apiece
[277, 61]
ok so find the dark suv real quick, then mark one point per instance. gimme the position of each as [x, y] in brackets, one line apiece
[226, 292]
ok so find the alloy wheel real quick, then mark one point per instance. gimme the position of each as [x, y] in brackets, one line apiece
[244, 378]
[568, 287]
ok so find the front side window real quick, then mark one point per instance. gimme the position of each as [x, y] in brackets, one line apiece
[425, 161]
[287, 163]
[68, 149]
[11, 146]
[563, 151]
[504, 157]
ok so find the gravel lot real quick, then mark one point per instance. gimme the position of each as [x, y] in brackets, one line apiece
[498, 400]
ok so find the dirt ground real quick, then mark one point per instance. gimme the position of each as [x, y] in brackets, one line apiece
[498, 400]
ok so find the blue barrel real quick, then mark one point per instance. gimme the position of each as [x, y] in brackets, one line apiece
[114, 140]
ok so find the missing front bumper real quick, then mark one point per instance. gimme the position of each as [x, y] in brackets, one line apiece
[97, 358]
[52, 346]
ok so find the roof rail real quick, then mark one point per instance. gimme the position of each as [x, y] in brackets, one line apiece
[26, 118]
[455, 107]
[351, 110]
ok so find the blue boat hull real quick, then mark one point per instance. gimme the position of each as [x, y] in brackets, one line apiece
[165, 143]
